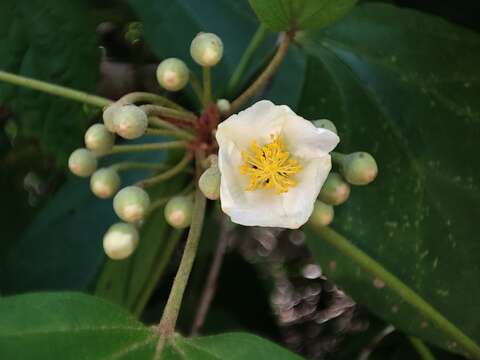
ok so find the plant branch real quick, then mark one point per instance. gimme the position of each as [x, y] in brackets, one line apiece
[130, 165]
[246, 58]
[211, 284]
[167, 174]
[53, 89]
[207, 86]
[197, 89]
[174, 133]
[120, 149]
[401, 289]
[151, 98]
[377, 339]
[167, 112]
[264, 76]
[167, 324]
[421, 348]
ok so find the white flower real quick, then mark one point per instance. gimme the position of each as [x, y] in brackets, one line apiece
[273, 164]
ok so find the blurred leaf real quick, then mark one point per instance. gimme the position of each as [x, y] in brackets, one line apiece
[234, 22]
[52, 41]
[76, 326]
[415, 107]
[284, 15]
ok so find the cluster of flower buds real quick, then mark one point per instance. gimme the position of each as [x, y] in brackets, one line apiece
[358, 168]
[131, 117]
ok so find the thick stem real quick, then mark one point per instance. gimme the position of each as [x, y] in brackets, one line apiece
[173, 133]
[53, 89]
[167, 112]
[401, 289]
[120, 149]
[167, 324]
[246, 58]
[264, 76]
[421, 348]
[197, 89]
[131, 165]
[207, 86]
[211, 284]
[167, 174]
[155, 99]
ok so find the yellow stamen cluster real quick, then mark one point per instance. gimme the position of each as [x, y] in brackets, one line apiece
[269, 166]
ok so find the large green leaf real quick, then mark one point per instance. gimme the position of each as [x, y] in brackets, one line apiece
[404, 86]
[52, 41]
[284, 15]
[76, 326]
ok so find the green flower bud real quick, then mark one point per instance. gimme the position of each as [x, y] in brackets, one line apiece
[82, 162]
[173, 74]
[359, 168]
[120, 241]
[335, 190]
[326, 124]
[108, 116]
[223, 105]
[105, 182]
[209, 183]
[99, 139]
[130, 122]
[131, 204]
[322, 214]
[178, 211]
[206, 49]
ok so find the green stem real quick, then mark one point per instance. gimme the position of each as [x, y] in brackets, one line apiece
[163, 132]
[167, 112]
[131, 165]
[166, 328]
[120, 149]
[421, 348]
[264, 76]
[155, 99]
[53, 89]
[197, 89]
[207, 86]
[246, 58]
[337, 157]
[167, 174]
[402, 290]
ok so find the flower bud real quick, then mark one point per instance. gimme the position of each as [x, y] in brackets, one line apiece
[178, 211]
[108, 116]
[359, 168]
[326, 124]
[130, 121]
[223, 105]
[173, 74]
[105, 182]
[120, 241]
[206, 49]
[99, 139]
[322, 214]
[209, 183]
[335, 190]
[82, 162]
[131, 204]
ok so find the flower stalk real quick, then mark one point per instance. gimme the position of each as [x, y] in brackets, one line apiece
[121, 149]
[167, 174]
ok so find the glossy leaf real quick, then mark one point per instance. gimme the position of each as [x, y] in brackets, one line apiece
[52, 41]
[404, 86]
[76, 326]
[285, 15]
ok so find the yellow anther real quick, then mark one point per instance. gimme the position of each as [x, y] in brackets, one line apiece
[269, 166]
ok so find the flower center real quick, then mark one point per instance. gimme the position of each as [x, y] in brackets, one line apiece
[269, 166]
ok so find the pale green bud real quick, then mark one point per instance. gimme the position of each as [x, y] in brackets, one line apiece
[131, 204]
[359, 168]
[322, 214]
[105, 182]
[335, 190]
[173, 74]
[206, 49]
[209, 183]
[108, 116]
[223, 106]
[82, 162]
[99, 139]
[120, 241]
[178, 211]
[130, 121]
[326, 124]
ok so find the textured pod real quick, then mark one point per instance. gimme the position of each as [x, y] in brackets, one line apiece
[130, 122]
[82, 162]
[359, 168]
[105, 182]
[209, 183]
[322, 214]
[120, 241]
[173, 74]
[99, 139]
[131, 204]
[206, 49]
[325, 124]
[335, 190]
[178, 211]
